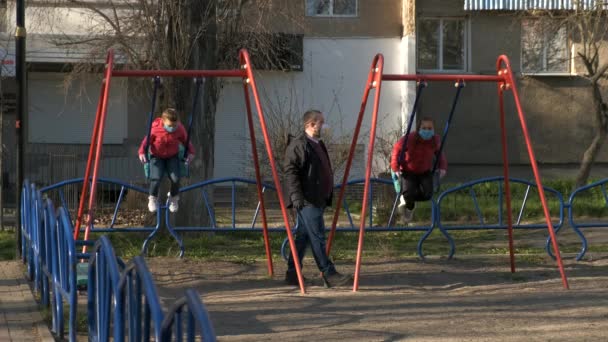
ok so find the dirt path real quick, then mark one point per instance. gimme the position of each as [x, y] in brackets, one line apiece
[472, 299]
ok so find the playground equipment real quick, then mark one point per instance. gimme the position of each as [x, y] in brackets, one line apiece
[122, 299]
[184, 167]
[95, 150]
[505, 81]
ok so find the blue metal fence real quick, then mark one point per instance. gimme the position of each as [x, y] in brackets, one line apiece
[138, 291]
[121, 298]
[102, 305]
[483, 222]
[124, 299]
[576, 221]
[196, 318]
[435, 219]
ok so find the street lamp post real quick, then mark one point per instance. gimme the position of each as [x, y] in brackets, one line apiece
[20, 35]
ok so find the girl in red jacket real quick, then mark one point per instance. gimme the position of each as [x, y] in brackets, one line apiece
[165, 138]
[411, 166]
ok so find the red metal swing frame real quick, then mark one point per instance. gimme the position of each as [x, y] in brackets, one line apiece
[505, 81]
[95, 149]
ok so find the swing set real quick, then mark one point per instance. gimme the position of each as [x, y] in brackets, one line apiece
[249, 86]
[505, 81]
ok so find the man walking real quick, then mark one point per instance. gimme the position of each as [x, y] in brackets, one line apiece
[309, 190]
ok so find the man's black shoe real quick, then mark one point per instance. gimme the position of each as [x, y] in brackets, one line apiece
[336, 279]
[291, 278]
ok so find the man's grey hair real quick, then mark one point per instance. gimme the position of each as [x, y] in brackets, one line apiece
[310, 115]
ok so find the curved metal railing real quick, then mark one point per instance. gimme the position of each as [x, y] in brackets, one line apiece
[196, 319]
[499, 223]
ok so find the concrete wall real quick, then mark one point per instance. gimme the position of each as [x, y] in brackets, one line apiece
[333, 80]
[375, 18]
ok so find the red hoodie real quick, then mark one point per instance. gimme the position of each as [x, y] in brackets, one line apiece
[164, 144]
[419, 155]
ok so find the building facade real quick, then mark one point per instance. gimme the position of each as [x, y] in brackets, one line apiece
[339, 38]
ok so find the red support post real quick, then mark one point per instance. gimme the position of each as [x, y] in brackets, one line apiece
[510, 83]
[99, 145]
[244, 57]
[505, 163]
[87, 172]
[351, 154]
[258, 177]
[377, 68]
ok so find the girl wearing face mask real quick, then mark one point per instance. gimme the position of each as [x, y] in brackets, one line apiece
[166, 136]
[411, 166]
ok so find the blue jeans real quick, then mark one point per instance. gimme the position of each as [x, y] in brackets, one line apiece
[158, 168]
[311, 230]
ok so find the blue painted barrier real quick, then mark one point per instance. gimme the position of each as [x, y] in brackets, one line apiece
[500, 203]
[64, 279]
[49, 251]
[118, 294]
[104, 310]
[434, 221]
[578, 223]
[196, 318]
[143, 315]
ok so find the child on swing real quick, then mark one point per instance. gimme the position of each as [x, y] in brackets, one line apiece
[412, 166]
[166, 135]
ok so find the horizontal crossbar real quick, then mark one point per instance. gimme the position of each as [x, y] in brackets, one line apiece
[179, 73]
[443, 77]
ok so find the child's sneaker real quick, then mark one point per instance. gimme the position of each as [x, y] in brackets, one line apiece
[173, 202]
[152, 204]
[401, 201]
[401, 207]
[408, 215]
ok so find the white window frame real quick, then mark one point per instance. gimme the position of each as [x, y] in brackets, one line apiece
[466, 42]
[545, 72]
[331, 11]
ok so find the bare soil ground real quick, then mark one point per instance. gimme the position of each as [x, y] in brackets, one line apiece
[473, 298]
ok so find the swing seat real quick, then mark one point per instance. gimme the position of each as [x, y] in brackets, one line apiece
[82, 276]
[183, 166]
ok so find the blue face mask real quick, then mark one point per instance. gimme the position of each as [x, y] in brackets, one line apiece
[426, 134]
[170, 129]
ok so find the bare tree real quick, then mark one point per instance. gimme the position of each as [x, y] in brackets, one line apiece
[385, 140]
[284, 121]
[176, 34]
[588, 27]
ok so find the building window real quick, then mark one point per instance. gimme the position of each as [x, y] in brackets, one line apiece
[442, 44]
[544, 47]
[331, 8]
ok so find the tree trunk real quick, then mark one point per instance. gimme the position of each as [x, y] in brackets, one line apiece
[204, 56]
[601, 130]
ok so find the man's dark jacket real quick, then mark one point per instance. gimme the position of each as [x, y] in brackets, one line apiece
[303, 170]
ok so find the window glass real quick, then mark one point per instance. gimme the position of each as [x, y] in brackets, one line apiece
[428, 44]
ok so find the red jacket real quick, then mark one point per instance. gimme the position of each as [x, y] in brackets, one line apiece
[419, 155]
[164, 144]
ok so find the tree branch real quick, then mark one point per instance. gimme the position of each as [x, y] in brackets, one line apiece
[600, 71]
